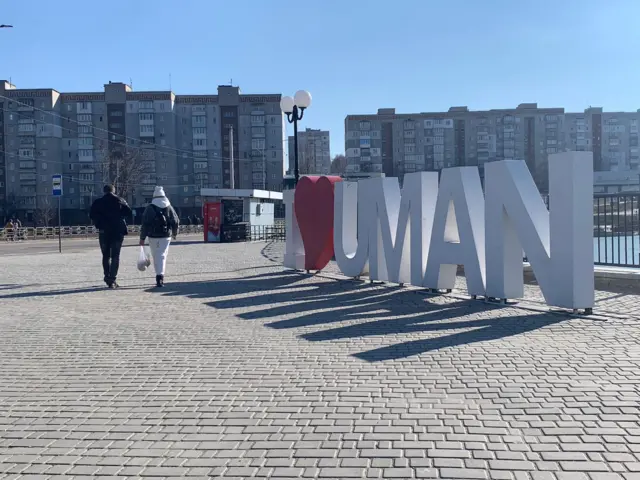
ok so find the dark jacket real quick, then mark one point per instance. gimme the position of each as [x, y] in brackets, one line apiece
[109, 214]
[149, 217]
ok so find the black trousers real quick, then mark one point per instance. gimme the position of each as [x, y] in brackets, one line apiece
[110, 245]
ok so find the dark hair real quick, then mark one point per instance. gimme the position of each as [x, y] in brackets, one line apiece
[109, 189]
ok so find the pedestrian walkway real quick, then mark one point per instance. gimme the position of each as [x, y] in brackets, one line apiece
[240, 369]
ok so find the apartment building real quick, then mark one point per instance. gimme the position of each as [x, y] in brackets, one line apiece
[314, 152]
[183, 142]
[395, 144]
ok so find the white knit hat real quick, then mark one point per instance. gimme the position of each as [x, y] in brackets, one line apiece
[158, 192]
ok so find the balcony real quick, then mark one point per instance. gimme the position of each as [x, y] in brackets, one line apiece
[25, 107]
[258, 132]
[257, 120]
[145, 106]
[83, 107]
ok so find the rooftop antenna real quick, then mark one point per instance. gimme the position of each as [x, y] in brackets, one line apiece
[231, 81]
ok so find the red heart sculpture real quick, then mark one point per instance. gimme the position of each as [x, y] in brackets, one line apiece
[313, 205]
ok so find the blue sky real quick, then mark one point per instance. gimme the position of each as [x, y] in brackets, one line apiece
[354, 56]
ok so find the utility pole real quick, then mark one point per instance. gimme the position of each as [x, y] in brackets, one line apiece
[232, 172]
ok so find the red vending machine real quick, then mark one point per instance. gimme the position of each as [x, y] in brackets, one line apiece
[212, 221]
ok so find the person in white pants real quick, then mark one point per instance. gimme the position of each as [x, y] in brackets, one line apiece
[160, 224]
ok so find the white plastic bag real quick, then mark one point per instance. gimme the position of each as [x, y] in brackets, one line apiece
[143, 259]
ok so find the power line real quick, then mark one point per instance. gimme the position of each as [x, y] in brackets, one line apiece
[108, 132]
[128, 146]
[89, 164]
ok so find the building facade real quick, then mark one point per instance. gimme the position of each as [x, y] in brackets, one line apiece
[395, 144]
[143, 139]
[314, 152]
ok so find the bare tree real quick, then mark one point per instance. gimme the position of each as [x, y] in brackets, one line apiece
[124, 168]
[45, 211]
[339, 164]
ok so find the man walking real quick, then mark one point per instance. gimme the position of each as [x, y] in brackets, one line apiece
[108, 214]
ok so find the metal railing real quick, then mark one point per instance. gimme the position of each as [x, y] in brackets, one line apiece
[616, 225]
[243, 232]
[80, 231]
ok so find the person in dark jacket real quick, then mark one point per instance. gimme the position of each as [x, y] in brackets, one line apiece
[160, 223]
[109, 214]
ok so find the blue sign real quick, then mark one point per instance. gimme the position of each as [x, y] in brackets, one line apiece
[56, 185]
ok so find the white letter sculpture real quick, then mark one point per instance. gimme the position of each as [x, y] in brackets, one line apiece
[558, 244]
[400, 231]
[351, 214]
[293, 248]
[457, 237]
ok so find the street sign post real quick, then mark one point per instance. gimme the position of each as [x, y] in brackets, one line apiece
[56, 191]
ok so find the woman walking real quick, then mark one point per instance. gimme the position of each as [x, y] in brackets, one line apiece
[159, 223]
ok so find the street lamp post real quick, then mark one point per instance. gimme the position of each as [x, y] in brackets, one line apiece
[294, 109]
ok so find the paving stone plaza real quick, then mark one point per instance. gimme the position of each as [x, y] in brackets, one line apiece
[240, 369]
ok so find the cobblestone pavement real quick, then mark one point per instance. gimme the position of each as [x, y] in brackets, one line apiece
[239, 369]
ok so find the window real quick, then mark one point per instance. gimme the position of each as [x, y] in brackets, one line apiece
[229, 114]
[25, 152]
[69, 108]
[44, 165]
[26, 127]
[199, 131]
[200, 142]
[116, 113]
[84, 141]
[146, 116]
[84, 118]
[146, 104]
[84, 129]
[365, 125]
[85, 153]
[115, 125]
[146, 128]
